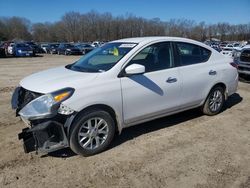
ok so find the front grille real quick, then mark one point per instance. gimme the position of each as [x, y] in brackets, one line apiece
[25, 96]
[245, 56]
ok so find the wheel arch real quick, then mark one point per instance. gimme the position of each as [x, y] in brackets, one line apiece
[103, 107]
[224, 86]
[221, 84]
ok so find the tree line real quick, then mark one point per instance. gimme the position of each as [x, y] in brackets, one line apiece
[91, 26]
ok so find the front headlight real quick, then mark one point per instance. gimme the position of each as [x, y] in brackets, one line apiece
[20, 51]
[45, 106]
[68, 49]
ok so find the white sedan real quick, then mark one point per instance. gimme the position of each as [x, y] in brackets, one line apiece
[120, 84]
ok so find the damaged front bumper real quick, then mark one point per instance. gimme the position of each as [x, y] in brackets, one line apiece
[43, 135]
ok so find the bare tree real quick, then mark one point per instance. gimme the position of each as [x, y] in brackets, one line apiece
[92, 26]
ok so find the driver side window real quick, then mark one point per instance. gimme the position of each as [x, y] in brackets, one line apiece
[154, 57]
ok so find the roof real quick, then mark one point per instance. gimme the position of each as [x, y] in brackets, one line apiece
[145, 40]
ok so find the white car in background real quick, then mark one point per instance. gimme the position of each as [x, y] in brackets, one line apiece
[10, 48]
[227, 51]
[45, 48]
[117, 85]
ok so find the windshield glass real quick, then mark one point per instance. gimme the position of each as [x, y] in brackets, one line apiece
[103, 58]
[69, 45]
[22, 45]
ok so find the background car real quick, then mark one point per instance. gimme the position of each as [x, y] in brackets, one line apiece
[52, 48]
[228, 52]
[10, 48]
[2, 52]
[223, 45]
[84, 48]
[68, 49]
[22, 50]
[36, 48]
[242, 59]
[44, 47]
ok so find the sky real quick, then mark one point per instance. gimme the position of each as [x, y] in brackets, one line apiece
[210, 11]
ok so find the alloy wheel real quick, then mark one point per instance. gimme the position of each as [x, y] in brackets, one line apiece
[93, 133]
[215, 100]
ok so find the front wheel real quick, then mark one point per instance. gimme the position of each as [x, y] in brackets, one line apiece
[214, 101]
[92, 132]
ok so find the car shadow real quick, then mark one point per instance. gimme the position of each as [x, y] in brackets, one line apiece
[168, 121]
[62, 153]
[147, 83]
[232, 101]
[151, 126]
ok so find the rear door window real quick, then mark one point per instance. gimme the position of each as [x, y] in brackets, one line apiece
[189, 54]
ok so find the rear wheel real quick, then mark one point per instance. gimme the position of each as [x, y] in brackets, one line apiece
[92, 132]
[214, 101]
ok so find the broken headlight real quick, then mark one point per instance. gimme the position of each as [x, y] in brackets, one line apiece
[45, 106]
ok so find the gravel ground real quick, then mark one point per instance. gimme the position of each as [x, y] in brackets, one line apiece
[183, 150]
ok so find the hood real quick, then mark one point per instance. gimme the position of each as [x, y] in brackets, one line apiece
[54, 79]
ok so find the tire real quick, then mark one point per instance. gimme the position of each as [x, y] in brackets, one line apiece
[85, 132]
[214, 102]
[65, 53]
[58, 53]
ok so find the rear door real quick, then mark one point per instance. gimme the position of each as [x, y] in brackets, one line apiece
[198, 74]
[155, 92]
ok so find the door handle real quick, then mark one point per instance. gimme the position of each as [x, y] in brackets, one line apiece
[212, 72]
[171, 80]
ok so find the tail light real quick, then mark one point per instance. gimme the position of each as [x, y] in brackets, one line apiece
[234, 65]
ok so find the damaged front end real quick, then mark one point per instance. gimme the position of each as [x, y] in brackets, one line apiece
[48, 119]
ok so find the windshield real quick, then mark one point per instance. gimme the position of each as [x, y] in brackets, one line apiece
[69, 45]
[54, 45]
[22, 45]
[103, 58]
[227, 49]
[84, 45]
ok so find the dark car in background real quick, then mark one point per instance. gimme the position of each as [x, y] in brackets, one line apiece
[23, 50]
[2, 52]
[52, 48]
[242, 58]
[36, 48]
[68, 49]
[84, 48]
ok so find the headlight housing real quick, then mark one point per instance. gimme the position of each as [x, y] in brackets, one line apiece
[45, 106]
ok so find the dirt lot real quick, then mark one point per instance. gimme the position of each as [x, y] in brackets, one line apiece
[184, 150]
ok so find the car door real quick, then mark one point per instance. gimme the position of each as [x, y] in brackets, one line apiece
[197, 73]
[155, 92]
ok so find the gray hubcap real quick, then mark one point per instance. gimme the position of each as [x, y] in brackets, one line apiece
[93, 133]
[215, 100]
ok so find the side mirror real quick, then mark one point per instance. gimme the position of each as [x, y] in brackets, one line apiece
[135, 69]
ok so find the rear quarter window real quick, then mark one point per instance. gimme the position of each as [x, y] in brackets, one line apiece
[189, 54]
